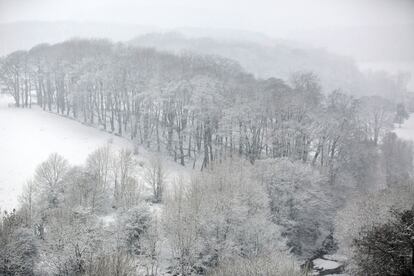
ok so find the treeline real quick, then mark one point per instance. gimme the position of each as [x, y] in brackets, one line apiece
[197, 108]
[279, 59]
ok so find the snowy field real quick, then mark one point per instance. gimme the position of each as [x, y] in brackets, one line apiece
[406, 131]
[29, 136]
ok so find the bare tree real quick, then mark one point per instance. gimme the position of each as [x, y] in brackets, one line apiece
[155, 176]
[26, 200]
[125, 182]
[99, 168]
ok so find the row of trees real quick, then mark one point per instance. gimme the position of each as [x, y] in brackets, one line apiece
[197, 108]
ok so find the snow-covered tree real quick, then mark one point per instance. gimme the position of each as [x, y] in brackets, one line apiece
[365, 211]
[155, 177]
[222, 214]
[49, 183]
[18, 246]
[301, 203]
[99, 166]
[387, 248]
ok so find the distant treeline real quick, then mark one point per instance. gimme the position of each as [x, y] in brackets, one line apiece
[279, 59]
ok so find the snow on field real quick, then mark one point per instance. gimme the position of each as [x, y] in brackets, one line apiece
[325, 264]
[328, 264]
[406, 131]
[29, 136]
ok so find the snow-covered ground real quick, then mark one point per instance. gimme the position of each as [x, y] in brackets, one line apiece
[329, 265]
[406, 131]
[29, 136]
[325, 264]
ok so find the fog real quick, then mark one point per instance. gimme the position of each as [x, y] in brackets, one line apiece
[378, 34]
[271, 17]
[274, 18]
[206, 137]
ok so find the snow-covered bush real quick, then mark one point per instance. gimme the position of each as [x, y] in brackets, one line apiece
[398, 160]
[300, 202]
[386, 248]
[367, 211]
[154, 176]
[273, 265]
[99, 167]
[18, 246]
[136, 223]
[49, 181]
[116, 263]
[223, 213]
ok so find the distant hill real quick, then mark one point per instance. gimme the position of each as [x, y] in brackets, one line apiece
[26, 34]
[365, 44]
[257, 53]
[271, 59]
[389, 48]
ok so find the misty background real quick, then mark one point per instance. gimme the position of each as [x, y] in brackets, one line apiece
[213, 138]
[375, 35]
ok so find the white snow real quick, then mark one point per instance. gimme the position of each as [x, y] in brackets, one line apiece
[108, 219]
[322, 264]
[29, 136]
[406, 131]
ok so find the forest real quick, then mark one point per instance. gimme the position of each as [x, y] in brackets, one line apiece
[265, 58]
[281, 171]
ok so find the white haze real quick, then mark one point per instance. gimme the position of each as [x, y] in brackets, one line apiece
[272, 17]
[261, 137]
[377, 33]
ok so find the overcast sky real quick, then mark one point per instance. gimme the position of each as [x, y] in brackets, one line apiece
[273, 17]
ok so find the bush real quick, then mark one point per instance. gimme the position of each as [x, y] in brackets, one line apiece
[388, 248]
[136, 223]
[18, 248]
[276, 265]
[222, 213]
[300, 202]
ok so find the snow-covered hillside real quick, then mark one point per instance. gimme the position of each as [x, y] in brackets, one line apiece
[406, 131]
[29, 136]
